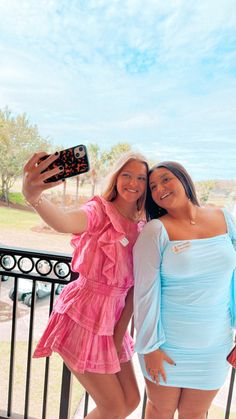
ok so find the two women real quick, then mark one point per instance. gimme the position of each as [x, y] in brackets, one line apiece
[184, 303]
[184, 261]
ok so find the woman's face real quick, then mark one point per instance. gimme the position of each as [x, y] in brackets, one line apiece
[132, 181]
[166, 189]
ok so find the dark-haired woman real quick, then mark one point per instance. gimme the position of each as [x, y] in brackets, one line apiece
[185, 309]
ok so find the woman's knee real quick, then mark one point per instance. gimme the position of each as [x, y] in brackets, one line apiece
[195, 403]
[115, 409]
[192, 412]
[162, 400]
[157, 410]
[132, 402]
[123, 407]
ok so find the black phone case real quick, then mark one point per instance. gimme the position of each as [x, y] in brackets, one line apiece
[74, 161]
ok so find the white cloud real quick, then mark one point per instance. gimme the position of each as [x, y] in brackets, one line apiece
[122, 70]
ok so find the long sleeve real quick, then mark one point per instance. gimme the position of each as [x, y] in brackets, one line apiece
[147, 288]
[231, 225]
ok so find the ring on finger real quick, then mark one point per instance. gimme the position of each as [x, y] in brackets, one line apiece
[153, 370]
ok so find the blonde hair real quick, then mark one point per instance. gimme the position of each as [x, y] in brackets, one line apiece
[110, 191]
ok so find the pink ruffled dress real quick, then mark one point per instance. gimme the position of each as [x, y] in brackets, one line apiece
[82, 323]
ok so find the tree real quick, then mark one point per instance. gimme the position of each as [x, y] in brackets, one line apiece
[18, 141]
[204, 188]
[110, 157]
[94, 153]
[101, 162]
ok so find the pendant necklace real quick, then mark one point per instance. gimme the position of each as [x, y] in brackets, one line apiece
[192, 219]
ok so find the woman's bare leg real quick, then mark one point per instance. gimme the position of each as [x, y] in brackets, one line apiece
[162, 401]
[194, 404]
[129, 386]
[115, 395]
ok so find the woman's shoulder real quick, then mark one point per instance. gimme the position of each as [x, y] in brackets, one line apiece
[211, 210]
[153, 228]
[96, 213]
[231, 222]
[221, 219]
[106, 214]
[216, 214]
[96, 203]
[152, 236]
[102, 203]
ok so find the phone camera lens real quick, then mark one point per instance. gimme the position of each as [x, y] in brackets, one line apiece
[77, 155]
[80, 148]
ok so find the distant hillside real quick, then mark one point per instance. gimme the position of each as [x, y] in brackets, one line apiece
[226, 186]
[217, 192]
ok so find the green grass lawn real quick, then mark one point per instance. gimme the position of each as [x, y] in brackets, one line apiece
[37, 380]
[17, 198]
[22, 220]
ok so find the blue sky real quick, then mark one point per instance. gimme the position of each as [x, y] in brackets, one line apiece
[158, 74]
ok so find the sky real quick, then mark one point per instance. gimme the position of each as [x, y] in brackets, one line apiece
[158, 74]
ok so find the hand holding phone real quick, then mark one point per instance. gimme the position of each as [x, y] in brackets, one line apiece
[72, 162]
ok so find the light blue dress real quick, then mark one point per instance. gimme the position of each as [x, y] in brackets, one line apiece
[185, 303]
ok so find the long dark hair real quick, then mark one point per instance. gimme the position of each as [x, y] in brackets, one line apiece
[152, 209]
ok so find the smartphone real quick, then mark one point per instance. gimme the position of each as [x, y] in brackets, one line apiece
[74, 161]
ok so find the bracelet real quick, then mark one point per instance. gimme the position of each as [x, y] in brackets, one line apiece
[37, 203]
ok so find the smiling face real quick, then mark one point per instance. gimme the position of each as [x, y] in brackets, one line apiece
[131, 181]
[166, 189]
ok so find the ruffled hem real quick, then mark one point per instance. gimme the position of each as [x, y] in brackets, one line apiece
[80, 349]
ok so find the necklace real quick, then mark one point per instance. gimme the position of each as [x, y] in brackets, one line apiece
[192, 219]
[133, 218]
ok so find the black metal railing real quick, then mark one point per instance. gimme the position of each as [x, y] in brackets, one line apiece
[53, 269]
[41, 268]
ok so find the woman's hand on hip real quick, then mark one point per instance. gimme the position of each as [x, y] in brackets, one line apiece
[154, 362]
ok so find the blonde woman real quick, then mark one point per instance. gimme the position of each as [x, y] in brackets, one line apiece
[88, 324]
